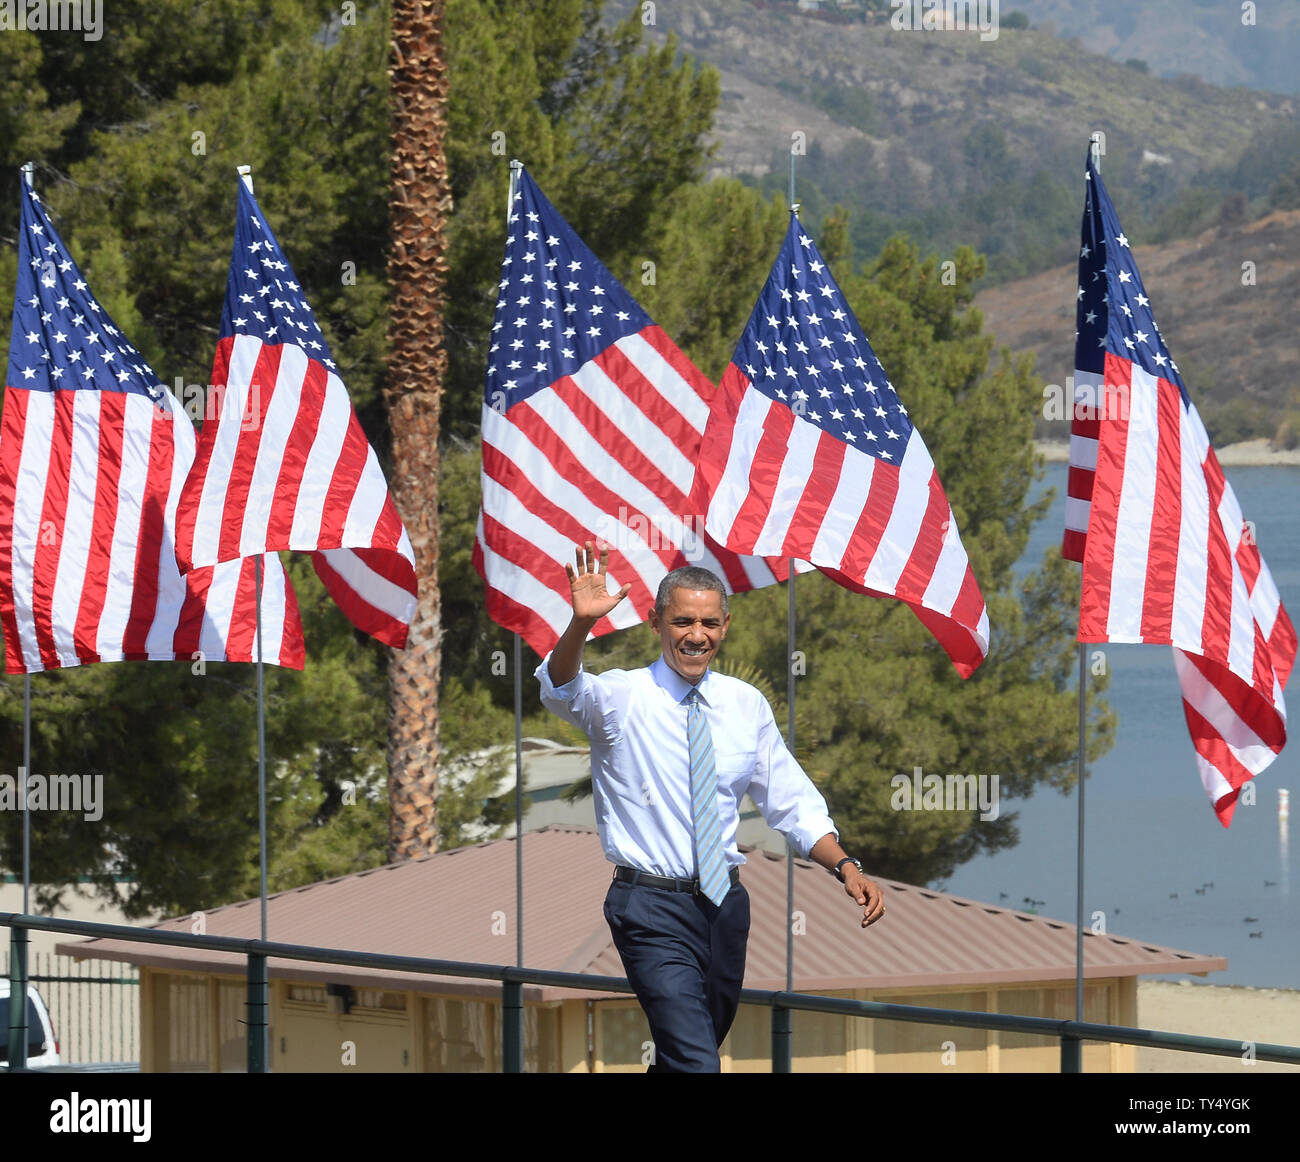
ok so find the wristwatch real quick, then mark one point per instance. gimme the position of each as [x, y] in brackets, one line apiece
[847, 859]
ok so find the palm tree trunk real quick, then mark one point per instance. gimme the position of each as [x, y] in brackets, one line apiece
[419, 203]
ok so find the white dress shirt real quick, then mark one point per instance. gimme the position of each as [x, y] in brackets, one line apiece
[640, 764]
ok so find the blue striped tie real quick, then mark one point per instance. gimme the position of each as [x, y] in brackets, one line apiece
[709, 858]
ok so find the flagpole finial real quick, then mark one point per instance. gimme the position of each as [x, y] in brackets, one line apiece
[27, 169]
[1095, 147]
[516, 168]
[246, 175]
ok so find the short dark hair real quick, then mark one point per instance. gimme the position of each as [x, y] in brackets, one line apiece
[689, 577]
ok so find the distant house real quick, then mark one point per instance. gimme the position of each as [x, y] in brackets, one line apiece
[932, 949]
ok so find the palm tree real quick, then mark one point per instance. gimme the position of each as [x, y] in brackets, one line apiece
[419, 203]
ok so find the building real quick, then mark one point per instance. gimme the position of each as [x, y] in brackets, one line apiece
[933, 949]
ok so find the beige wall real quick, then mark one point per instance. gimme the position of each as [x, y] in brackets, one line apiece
[829, 1044]
[193, 1022]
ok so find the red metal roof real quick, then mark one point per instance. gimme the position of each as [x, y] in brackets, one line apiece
[460, 905]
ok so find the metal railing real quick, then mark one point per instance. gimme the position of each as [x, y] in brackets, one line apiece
[1071, 1034]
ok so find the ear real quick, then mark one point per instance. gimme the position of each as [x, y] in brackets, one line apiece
[726, 621]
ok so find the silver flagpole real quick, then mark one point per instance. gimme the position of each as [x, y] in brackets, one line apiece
[27, 171]
[789, 665]
[19, 936]
[515, 167]
[1075, 1048]
[512, 998]
[246, 173]
[783, 1019]
[27, 771]
[259, 989]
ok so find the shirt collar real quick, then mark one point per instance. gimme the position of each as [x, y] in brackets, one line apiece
[675, 685]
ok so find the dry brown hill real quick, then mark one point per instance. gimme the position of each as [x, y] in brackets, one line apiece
[1236, 344]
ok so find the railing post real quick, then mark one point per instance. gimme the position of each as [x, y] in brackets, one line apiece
[257, 1012]
[1071, 1054]
[782, 1036]
[512, 1026]
[18, 998]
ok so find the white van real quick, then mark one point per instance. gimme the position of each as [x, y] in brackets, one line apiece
[42, 1046]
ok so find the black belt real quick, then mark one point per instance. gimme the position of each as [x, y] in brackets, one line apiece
[630, 875]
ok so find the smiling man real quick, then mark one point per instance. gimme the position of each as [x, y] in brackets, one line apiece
[675, 746]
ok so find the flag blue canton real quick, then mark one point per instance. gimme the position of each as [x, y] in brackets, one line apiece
[62, 337]
[1114, 313]
[558, 306]
[804, 348]
[263, 298]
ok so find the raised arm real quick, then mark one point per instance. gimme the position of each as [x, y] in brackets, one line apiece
[591, 601]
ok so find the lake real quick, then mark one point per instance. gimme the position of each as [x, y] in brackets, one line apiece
[1157, 861]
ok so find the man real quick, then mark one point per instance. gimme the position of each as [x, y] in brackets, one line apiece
[674, 748]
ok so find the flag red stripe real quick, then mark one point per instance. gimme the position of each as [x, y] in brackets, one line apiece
[536, 631]
[655, 407]
[53, 515]
[678, 360]
[13, 422]
[94, 589]
[153, 520]
[764, 475]
[871, 523]
[1216, 621]
[1103, 523]
[1163, 549]
[188, 635]
[293, 462]
[817, 496]
[368, 618]
[504, 472]
[916, 574]
[620, 447]
[240, 481]
[1210, 745]
[343, 485]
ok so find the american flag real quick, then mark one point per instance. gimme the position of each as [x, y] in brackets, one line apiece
[285, 464]
[592, 420]
[809, 453]
[1167, 557]
[93, 452]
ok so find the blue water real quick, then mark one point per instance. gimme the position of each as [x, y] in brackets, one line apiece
[1152, 838]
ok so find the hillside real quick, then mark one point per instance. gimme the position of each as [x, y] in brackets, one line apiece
[1236, 346]
[1204, 37]
[949, 137]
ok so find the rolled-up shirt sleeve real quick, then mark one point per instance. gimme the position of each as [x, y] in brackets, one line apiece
[586, 700]
[783, 793]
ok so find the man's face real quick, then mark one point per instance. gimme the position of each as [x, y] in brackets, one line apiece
[691, 630]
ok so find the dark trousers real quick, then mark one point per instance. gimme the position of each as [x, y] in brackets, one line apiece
[685, 959]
